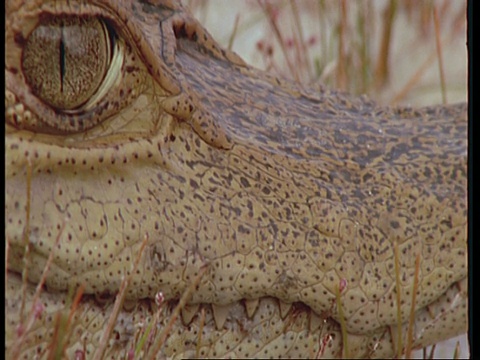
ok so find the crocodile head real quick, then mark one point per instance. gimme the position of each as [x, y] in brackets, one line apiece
[287, 220]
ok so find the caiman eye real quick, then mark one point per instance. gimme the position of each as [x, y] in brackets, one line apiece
[67, 73]
[71, 62]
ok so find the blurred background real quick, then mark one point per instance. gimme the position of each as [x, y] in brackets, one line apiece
[404, 52]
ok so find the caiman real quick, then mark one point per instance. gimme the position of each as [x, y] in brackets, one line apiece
[292, 217]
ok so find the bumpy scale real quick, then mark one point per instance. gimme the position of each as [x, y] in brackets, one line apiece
[283, 193]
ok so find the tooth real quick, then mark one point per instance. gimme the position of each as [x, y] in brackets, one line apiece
[251, 306]
[220, 315]
[188, 312]
[129, 305]
[315, 321]
[284, 309]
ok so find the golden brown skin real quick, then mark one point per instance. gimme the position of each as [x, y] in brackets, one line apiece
[284, 193]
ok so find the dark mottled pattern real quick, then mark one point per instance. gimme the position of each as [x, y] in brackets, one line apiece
[283, 192]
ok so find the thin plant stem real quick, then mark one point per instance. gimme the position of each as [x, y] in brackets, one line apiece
[399, 303]
[7, 249]
[343, 325]
[439, 55]
[33, 313]
[271, 19]
[183, 300]
[63, 328]
[381, 70]
[456, 353]
[342, 82]
[411, 322]
[118, 304]
[26, 240]
[146, 334]
[415, 78]
[303, 46]
[234, 32]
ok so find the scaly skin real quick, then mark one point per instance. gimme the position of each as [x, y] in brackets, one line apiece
[283, 193]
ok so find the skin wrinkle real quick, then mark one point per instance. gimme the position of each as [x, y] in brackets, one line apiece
[227, 167]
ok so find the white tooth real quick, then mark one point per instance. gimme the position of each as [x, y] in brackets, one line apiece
[315, 321]
[220, 315]
[284, 309]
[188, 312]
[251, 306]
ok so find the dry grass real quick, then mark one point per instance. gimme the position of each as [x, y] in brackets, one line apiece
[389, 49]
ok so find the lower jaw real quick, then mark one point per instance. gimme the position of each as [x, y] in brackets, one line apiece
[200, 331]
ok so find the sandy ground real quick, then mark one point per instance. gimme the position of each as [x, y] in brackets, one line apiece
[414, 77]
